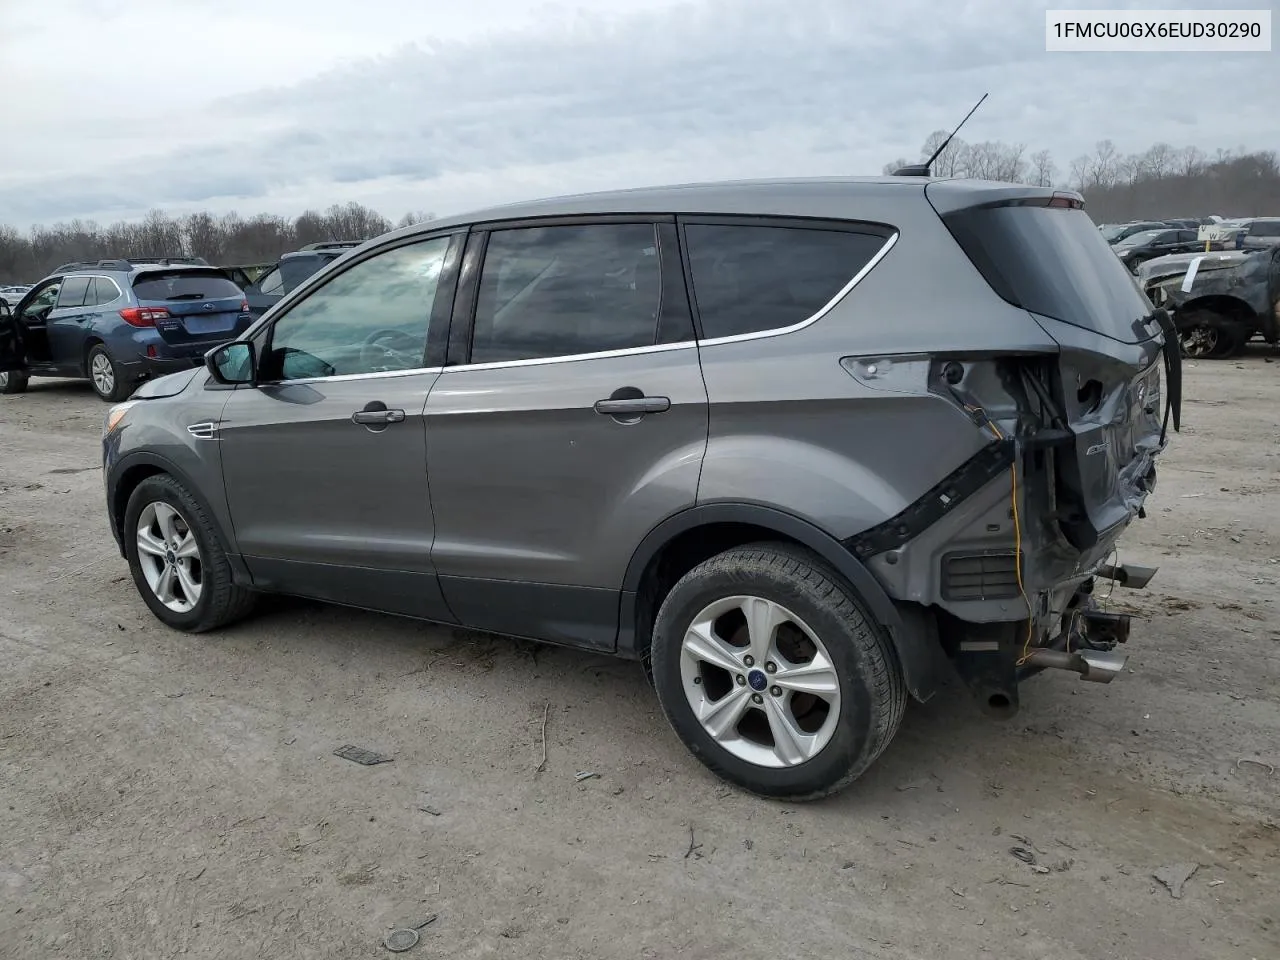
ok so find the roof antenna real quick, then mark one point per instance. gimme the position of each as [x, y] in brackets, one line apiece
[922, 169]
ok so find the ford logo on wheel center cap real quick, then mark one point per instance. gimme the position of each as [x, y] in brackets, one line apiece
[757, 680]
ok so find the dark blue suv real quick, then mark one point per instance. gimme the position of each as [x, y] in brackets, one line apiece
[116, 322]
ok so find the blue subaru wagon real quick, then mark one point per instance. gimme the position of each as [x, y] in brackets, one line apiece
[115, 322]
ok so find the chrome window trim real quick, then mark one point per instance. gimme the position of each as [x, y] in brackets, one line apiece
[343, 377]
[690, 344]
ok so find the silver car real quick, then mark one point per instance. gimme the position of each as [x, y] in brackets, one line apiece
[800, 447]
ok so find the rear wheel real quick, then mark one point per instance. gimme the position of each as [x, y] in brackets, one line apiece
[105, 376]
[14, 381]
[773, 674]
[177, 560]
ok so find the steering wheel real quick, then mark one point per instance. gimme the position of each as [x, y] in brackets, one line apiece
[375, 354]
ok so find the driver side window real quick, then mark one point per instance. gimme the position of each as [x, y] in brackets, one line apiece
[371, 318]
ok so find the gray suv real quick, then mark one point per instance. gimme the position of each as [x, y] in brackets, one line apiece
[801, 447]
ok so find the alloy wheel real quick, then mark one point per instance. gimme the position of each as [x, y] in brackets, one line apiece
[169, 556]
[102, 373]
[1200, 342]
[4, 380]
[760, 681]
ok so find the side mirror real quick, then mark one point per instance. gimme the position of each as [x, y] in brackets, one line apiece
[232, 363]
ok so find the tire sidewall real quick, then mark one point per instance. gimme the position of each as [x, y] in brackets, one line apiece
[849, 744]
[115, 394]
[163, 490]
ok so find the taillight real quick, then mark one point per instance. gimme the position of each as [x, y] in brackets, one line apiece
[143, 316]
[244, 306]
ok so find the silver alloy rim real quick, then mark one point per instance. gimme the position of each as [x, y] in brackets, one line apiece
[170, 557]
[104, 378]
[4, 380]
[760, 681]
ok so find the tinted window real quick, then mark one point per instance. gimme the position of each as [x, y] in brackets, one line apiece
[559, 291]
[1265, 228]
[102, 290]
[368, 319]
[749, 278]
[73, 291]
[272, 284]
[1187, 236]
[184, 285]
[1053, 262]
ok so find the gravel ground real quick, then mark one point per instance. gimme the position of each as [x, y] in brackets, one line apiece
[164, 795]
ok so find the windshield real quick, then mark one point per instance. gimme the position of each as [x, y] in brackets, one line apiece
[1137, 239]
[1113, 232]
[1053, 262]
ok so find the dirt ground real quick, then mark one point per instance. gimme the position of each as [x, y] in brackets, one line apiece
[163, 795]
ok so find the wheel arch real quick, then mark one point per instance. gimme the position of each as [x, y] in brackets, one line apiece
[90, 341]
[1224, 305]
[128, 474]
[687, 538]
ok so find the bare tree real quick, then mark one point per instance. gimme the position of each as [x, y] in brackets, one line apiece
[952, 161]
[1042, 168]
[1189, 161]
[1080, 170]
[1104, 169]
[422, 216]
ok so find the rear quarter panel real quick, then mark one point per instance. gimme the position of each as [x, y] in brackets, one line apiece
[789, 427]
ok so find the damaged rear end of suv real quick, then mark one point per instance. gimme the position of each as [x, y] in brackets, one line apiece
[1005, 550]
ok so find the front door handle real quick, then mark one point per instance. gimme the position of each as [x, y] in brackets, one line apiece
[632, 406]
[376, 414]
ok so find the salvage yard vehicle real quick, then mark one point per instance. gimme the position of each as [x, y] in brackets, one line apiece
[291, 270]
[115, 322]
[721, 429]
[1219, 301]
[1138, 248]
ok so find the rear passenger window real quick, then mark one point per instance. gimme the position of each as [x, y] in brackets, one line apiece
[73, 291]
[1265, 228]
[748, 278]
[559, 291]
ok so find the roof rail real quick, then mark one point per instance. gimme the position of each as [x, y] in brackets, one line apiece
[331, 245]
[172, 261]
[91, 264]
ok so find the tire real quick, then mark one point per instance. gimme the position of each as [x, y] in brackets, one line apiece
[105, 376]
[156, 502]
[866, 695]
[1208, 336]
[14, 381]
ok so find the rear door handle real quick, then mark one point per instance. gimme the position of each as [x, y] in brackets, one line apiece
[632, 406]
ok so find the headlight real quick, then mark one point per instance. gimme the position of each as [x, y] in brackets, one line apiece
[116, 414]
[1155, 385]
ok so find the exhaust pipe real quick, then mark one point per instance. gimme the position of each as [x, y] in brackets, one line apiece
[1099, 666]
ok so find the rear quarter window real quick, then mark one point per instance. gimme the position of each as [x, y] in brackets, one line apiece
[750, 278]
[184, 285]
[1052, 262]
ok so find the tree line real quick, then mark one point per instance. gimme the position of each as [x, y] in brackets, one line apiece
[1161, 181]
[223, 240]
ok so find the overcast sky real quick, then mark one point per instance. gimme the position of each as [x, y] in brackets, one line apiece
[112, 107]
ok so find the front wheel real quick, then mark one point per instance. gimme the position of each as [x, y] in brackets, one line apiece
[14, 381]
[177, 560]
[773, 674]
[105, 376]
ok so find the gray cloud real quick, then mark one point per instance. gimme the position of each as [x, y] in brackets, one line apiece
[703, 90]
